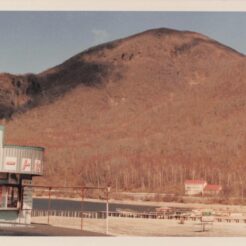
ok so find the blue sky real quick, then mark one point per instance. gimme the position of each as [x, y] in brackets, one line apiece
[35, 41]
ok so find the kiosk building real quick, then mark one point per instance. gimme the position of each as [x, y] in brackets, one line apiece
[18, 166]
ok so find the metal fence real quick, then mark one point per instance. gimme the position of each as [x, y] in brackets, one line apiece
[69, 213]
[81, 192]
[142, 215]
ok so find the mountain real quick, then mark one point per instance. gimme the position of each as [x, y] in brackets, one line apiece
[144, 113]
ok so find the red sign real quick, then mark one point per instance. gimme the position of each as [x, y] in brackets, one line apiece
[37, 166]
[26, 165]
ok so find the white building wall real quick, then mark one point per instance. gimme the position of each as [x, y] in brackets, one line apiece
[194, 189]
[1, 145]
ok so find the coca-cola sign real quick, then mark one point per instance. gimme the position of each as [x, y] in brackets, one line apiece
[10, 163]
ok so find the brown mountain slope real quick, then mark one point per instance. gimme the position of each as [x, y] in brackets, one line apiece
[145, 112]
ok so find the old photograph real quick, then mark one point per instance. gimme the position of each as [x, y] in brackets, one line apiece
[122, 123]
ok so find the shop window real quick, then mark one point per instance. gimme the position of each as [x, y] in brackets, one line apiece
[3, 178]
[2, 202]
[12, 197]
[9, 196]
[14, 178]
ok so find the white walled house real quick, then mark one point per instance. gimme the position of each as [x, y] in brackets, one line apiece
[195, 187]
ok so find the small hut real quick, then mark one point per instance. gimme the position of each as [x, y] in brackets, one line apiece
[18, 166]
[195, 186]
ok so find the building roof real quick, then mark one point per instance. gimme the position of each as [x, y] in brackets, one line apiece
[213, 187]
[195, 181]
[24, 147]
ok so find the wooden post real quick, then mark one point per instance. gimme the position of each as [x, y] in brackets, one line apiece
[203, 227]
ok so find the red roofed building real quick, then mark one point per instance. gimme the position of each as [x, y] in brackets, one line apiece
[212, 189]
[195, 187]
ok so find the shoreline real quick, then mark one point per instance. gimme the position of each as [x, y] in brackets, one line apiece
[241, 208]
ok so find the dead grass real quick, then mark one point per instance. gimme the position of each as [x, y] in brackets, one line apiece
[166, 111]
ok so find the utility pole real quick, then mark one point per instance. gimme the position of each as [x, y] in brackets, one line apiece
[107, 209]
[81, 208]
[49, 206]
